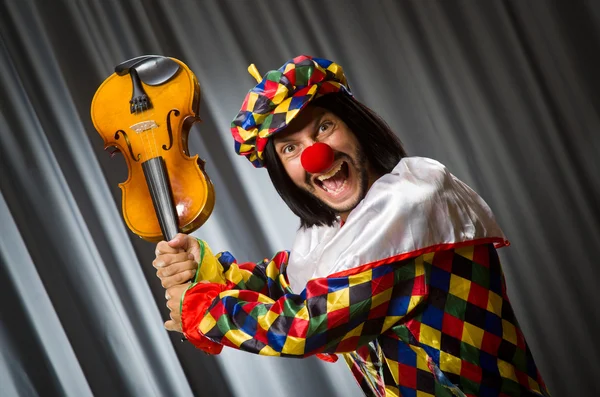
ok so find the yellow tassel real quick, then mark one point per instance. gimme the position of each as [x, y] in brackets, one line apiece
[254, 72]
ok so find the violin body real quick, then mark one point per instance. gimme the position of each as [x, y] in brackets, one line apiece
[145, 110]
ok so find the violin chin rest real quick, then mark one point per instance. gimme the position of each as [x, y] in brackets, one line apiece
[152, 69]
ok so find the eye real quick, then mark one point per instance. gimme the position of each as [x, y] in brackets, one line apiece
[288, 149]
[325, 126]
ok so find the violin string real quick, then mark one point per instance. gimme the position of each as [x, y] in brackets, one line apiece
[139, 113]
[154, 137]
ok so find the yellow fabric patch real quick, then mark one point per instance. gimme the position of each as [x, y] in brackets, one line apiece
[460, 287]
[494, 304]
[338, 299]
[303, 313]
[290, 115]
[247, 134]
[507, 370]
[354, 332]
[450, 363]
[428, 258]
[472, 335]
[533, 385]
[283, 107]
[466, 251]
[390, 321]
[419, 267]
[414, 301]
[360, 278]
[281, 93]
[252, 97]
[289, 67]
[268, 351]
[431, 336]
[207, 323]
[234, 274]
[422, 360]
[509, 332]
[237, 337]
[210, 268]
[293, 345]
[382, 297]
[246, 148]
[267, 320]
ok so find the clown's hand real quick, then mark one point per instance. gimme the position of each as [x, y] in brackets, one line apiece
[173, 296]
[177, 260]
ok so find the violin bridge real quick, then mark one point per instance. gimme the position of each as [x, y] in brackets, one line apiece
[144, 126]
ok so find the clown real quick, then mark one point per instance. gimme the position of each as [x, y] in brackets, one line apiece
[394, 266]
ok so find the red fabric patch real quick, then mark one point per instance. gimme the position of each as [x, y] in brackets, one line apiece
[338, 317]
[270, 88]
[481, 255]
[261, 143]
[316, 287]
[348, 345]
[407, 376]
[414, 327]
[195, 304]
[330, 358]
[443, 260]
[379, 311]
[278, 306]
[522, 377]
[452, 326]
[316, 76]
[298, 328]
[382, 283]
[280, 258]
[471, 371]
[520, 339]
[261, 335]
[419, 286]
[327, 87]
[478, 295]
[490, 343]
[291, 76]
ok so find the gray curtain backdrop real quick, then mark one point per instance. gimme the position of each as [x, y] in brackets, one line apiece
[505, 93]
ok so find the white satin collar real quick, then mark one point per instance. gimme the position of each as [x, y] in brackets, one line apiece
[418, 205]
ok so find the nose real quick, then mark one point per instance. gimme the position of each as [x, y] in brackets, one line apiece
[317, 158]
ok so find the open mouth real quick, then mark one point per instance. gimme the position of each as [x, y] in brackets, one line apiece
[335, 180]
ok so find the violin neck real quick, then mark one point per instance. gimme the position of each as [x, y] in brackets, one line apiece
[157, 180]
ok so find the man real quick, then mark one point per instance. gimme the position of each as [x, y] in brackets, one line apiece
[394, 265]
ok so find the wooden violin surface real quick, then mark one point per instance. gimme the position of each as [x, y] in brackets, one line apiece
[145, 110]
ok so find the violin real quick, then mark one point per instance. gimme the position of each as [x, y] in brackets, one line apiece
[145, 110]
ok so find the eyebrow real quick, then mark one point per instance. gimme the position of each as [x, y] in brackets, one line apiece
[316, 122]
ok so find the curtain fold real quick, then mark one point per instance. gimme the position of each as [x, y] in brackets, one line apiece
[504, 93]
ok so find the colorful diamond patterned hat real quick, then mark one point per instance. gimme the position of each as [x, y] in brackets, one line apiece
[278, 98]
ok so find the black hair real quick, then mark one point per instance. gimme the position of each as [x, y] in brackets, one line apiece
[381, 147]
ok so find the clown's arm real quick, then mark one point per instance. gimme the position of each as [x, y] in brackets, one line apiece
[335, 314]
[196, 263]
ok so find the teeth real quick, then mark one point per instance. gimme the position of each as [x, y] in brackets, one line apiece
[339, 189]
[330, 173]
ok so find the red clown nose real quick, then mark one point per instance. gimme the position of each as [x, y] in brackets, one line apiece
[317, 158]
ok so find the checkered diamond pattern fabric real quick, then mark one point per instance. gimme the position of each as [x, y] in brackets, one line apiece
[274, 102]
[439, 324]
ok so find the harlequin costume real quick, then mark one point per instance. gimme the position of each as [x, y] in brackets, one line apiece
[409, 290]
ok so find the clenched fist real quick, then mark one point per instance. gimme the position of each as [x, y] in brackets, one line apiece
[173, 296]
[177, 260]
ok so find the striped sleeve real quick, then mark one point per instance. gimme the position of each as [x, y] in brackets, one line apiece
[335, 314]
